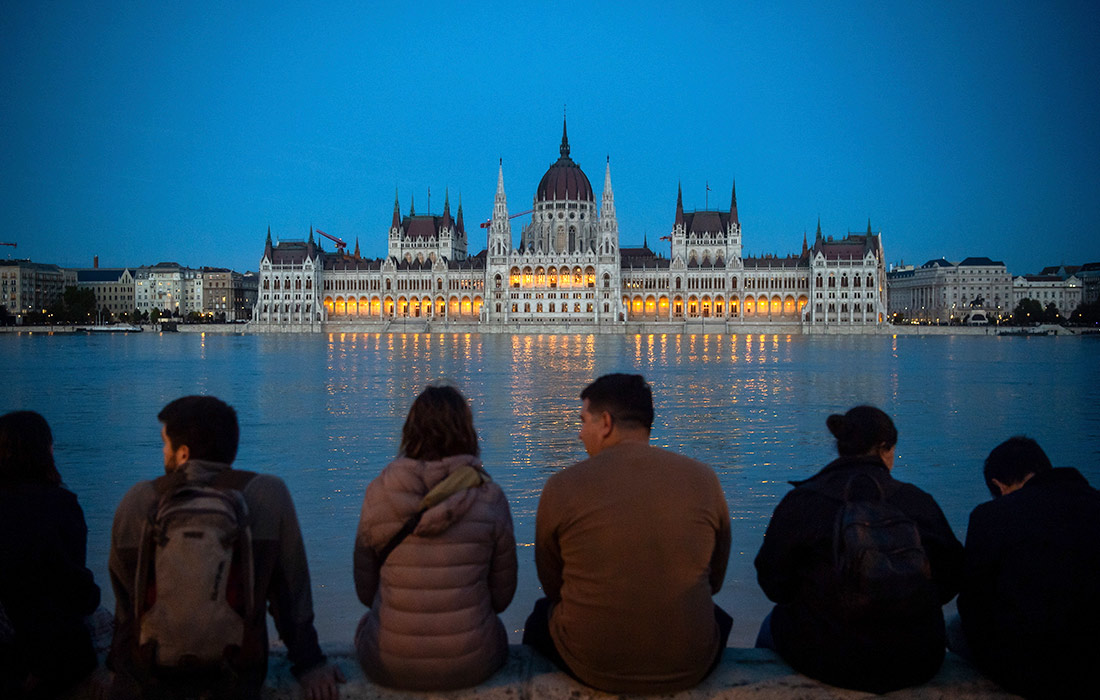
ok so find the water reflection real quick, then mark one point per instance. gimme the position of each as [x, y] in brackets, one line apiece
[325, 413]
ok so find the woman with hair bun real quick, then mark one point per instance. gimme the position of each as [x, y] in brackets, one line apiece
[859, 565]
[46, 590]
[435, 556]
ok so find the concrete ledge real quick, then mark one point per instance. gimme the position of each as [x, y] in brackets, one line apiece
[743, 673]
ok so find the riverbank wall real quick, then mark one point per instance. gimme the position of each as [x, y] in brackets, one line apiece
[628, 329]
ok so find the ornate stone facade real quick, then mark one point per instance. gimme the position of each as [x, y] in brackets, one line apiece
[568, 273]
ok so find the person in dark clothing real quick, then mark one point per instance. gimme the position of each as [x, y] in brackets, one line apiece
[813, 626]
[46, 590]
[1030, 601]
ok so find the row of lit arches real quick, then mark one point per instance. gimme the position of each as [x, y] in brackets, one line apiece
[649, 307]
[552, 276]
[455, 306]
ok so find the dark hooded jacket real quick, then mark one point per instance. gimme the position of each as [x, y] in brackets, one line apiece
[433, 622]
[45, 587]
[1030, 603]
[796, 569]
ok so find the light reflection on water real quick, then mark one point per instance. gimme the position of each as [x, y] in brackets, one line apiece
[325, 413]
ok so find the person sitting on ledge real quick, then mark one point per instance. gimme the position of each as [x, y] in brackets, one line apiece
[435, 556]
[187, 622]
[859, 565]
[1030, 601]
[46, 590]
[630, 545]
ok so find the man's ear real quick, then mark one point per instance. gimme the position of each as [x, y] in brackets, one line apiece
[607, 423]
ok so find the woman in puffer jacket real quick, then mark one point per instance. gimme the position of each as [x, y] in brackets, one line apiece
[432, 623]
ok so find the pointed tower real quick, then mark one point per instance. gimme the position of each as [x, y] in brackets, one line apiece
[817, 238]
[459, 226]
[311, 247]
[448, 222]
[393, 249]
[734, 219]
[412, 205]
[805, 248]
[733, 233]
[500, 228]
[357, 255]
[869, 232]
[267, 246]
[679, 228]
[609, 223]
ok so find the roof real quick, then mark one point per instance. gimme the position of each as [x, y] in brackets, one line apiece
[979, 262]
[101, 274]
[290, 253]
[706, 221]
[937, 263]
[773, 261]
[564, 180]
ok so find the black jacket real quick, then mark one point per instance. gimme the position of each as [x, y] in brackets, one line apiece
[1030, 603]
[45, 586]
[795, 568]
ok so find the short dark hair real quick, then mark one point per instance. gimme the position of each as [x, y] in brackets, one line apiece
[25, 449]
[627, 397]
[861, 430]
[440, 424]
[207, 425]
[1012, 460]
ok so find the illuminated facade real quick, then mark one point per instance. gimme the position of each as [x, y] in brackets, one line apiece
[568, 273]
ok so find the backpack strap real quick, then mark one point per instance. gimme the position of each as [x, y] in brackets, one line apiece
[465, 477]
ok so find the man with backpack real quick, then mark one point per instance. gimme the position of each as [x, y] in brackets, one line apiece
[859, 565]
[196, 557]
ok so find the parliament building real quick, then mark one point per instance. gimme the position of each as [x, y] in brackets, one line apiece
[569, 274]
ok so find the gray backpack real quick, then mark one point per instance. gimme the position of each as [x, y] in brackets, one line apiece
[194, 588]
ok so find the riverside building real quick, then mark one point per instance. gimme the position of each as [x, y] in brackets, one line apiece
[568, 273]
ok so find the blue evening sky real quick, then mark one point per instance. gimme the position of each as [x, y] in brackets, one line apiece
[180, 131]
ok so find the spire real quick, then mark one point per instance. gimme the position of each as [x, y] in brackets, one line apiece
[311, 247]
[267, 245]
[447, 221]
[818, 238]
[645, 241]
[412, 205]
[679, 205]
[805, 249]
[357, 255]
[500, 228]
[607, 207]
[396, 211]
[458, 224]
[733, 205]
[564, 139]
[311, 233]
[869, 233]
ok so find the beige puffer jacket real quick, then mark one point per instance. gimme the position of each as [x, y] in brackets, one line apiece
[433, 622]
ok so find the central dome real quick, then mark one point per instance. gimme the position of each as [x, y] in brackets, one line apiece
[564, 180]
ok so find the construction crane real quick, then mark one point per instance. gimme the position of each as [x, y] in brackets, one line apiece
[340, 244]
[522, 213]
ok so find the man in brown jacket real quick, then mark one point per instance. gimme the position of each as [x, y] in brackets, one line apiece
[630, 545]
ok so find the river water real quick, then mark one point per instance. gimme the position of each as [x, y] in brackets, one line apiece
[324, 412]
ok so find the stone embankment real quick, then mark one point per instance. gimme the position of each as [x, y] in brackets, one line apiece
[743, 673]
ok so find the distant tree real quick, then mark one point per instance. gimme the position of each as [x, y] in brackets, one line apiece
[154, 315]
[1051, 315]
[1087, 314]
[194, 317]
[6, 319]
[219, 317]
[105, 314]
[1028, 311]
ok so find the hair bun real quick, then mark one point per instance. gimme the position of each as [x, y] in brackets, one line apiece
[838, 425]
